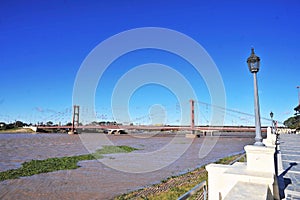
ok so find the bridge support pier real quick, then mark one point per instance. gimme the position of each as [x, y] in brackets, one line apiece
[192, 115]
[75, 119]
[192, 134]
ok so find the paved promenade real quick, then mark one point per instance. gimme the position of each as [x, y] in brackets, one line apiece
[289, 166]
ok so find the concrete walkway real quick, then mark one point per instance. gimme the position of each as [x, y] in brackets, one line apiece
[289, 166]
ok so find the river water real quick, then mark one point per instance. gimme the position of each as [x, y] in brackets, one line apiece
[159, 157]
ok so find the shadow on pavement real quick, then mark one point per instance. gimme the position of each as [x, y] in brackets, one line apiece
[284, 182]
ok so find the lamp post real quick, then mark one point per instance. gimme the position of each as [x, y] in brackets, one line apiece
[253, 64]
[272, 126]
[298, 94]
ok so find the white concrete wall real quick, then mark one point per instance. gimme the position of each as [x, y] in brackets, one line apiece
[259, 172]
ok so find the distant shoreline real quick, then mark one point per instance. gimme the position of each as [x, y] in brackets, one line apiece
[16, 130]
[136, 134]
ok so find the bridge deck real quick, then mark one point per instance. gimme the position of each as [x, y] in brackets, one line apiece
[175, 128]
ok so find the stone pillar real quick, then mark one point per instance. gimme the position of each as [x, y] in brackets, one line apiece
[260, 158]
[259, 171]
[270, 141]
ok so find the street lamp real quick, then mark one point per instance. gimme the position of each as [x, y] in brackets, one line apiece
[272, 126]
[271, 115]
[253, 64]
[298, 94]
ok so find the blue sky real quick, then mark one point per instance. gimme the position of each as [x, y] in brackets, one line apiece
[43, 44]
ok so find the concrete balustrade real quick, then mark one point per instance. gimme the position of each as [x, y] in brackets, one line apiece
[271, 139]
[255, 179]
[260, 158]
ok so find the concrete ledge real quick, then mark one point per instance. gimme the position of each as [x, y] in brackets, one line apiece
[222, 178]
[259, 170]
[244, 190]
[243, 174]
[218, 184]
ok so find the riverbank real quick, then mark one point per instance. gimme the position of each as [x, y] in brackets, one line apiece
[105, 178]
[16, 130]
[175, 186]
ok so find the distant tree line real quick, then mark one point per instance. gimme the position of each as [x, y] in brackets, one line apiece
[16, 124]
[20, 124]
[293, 122]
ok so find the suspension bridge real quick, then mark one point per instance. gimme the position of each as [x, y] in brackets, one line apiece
[110, 127]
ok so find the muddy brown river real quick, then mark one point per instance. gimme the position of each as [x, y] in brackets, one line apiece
[159, 157]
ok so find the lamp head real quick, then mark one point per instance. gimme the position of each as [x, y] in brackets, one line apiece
[253, 62]
[271, 114]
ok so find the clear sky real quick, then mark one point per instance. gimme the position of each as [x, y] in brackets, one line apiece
[43, 44]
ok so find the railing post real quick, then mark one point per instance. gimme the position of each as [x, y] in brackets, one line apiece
[204, 192]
